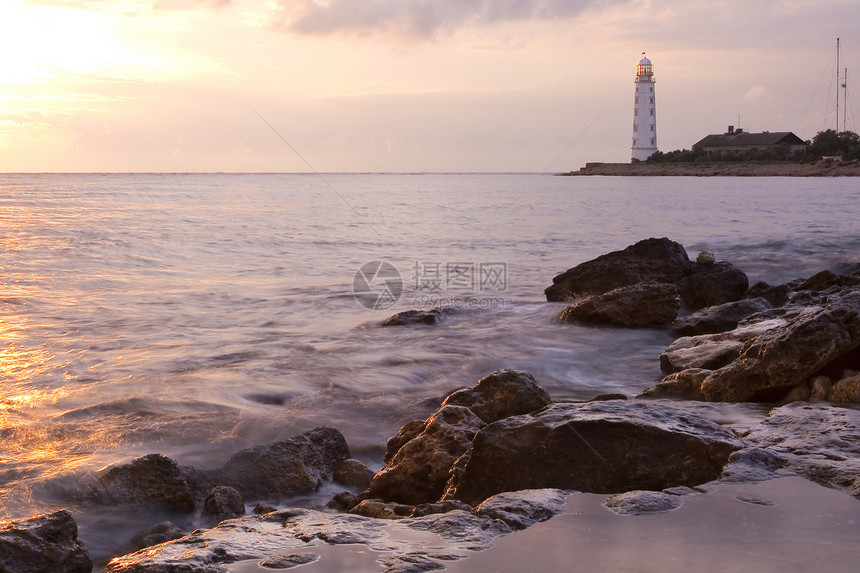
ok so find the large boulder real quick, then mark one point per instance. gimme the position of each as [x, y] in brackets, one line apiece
[804, 341]
[601, 447]
[296, 466]
[153, 481]
[43, 544]
[699, 284]
[418, 471]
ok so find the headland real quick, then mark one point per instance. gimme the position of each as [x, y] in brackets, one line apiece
[722, 169]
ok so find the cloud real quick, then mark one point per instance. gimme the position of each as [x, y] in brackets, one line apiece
[755, 93]
[422, 18]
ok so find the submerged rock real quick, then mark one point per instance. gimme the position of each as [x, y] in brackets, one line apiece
[414, 316]
[43, 544]
[158, 533]
[642, 502]
[601, 447]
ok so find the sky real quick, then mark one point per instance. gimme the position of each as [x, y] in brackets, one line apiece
[403, 85]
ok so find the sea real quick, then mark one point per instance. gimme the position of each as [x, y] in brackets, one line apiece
[194, 315]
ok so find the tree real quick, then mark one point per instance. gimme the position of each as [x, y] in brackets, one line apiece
[830, 143]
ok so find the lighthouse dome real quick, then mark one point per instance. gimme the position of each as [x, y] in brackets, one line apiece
[644, 62]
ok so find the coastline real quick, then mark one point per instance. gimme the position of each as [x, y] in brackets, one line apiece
[719, 169]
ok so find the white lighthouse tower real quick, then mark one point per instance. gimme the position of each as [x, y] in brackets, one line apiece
[644, 112]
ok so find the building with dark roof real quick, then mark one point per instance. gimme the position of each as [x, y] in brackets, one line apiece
[738, 141]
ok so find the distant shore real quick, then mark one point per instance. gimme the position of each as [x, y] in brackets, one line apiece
[722, 169]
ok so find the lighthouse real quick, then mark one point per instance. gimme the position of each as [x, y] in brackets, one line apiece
[644, 112]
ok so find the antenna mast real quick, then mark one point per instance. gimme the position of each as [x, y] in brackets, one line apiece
[845, 101]
[837, 85]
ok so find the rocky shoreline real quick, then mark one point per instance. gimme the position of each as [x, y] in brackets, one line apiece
[721, 169]
[502, 456]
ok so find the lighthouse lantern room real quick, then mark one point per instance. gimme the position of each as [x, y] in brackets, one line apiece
[644, 112]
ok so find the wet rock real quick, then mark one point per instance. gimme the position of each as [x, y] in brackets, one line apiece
[289, 560]
[601, 447]
[414, 316]
[683, 385]
[382, 509]
[522, 509]
[158, 533]
[826, 280]
[417, 473]
[817, 441]
[641, 305]
[153, 480]
[846, 390]
[800, 392]
[440, 507]
[752, 465]
[652, 260]
[642, 502]
[779, 358]
[275, 537]
[296, 466]
[43, 544]
[223, 502]
[262, 508]
[501, 394]
[719, 318]
[343, 501]
[353, 473]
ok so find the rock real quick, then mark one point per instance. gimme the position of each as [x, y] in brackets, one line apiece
[158, 533]
[404, 434]
[153, 480]
[43, 544]
[440, 507]
[819, 389]
[652, 260]
[417, 473]
[752, 465]
[719, 318]
[817, 441]
[223, 502]
[641, 305]
[800, 392]
[601, 447]
[382, 509]
[263, 508]
[414, 316]
[299, 465]
[826, 280]
[642, 502]
[707, 351]
[706, 258]
[353, 473]
[683, 385]
[710, 285]
[501, 394]
[775, 295]
[289, 560]
[522, 509]
[276, 538]
[810, 340]
[846, 390]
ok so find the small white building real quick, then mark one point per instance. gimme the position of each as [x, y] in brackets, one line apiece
[644, 112]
